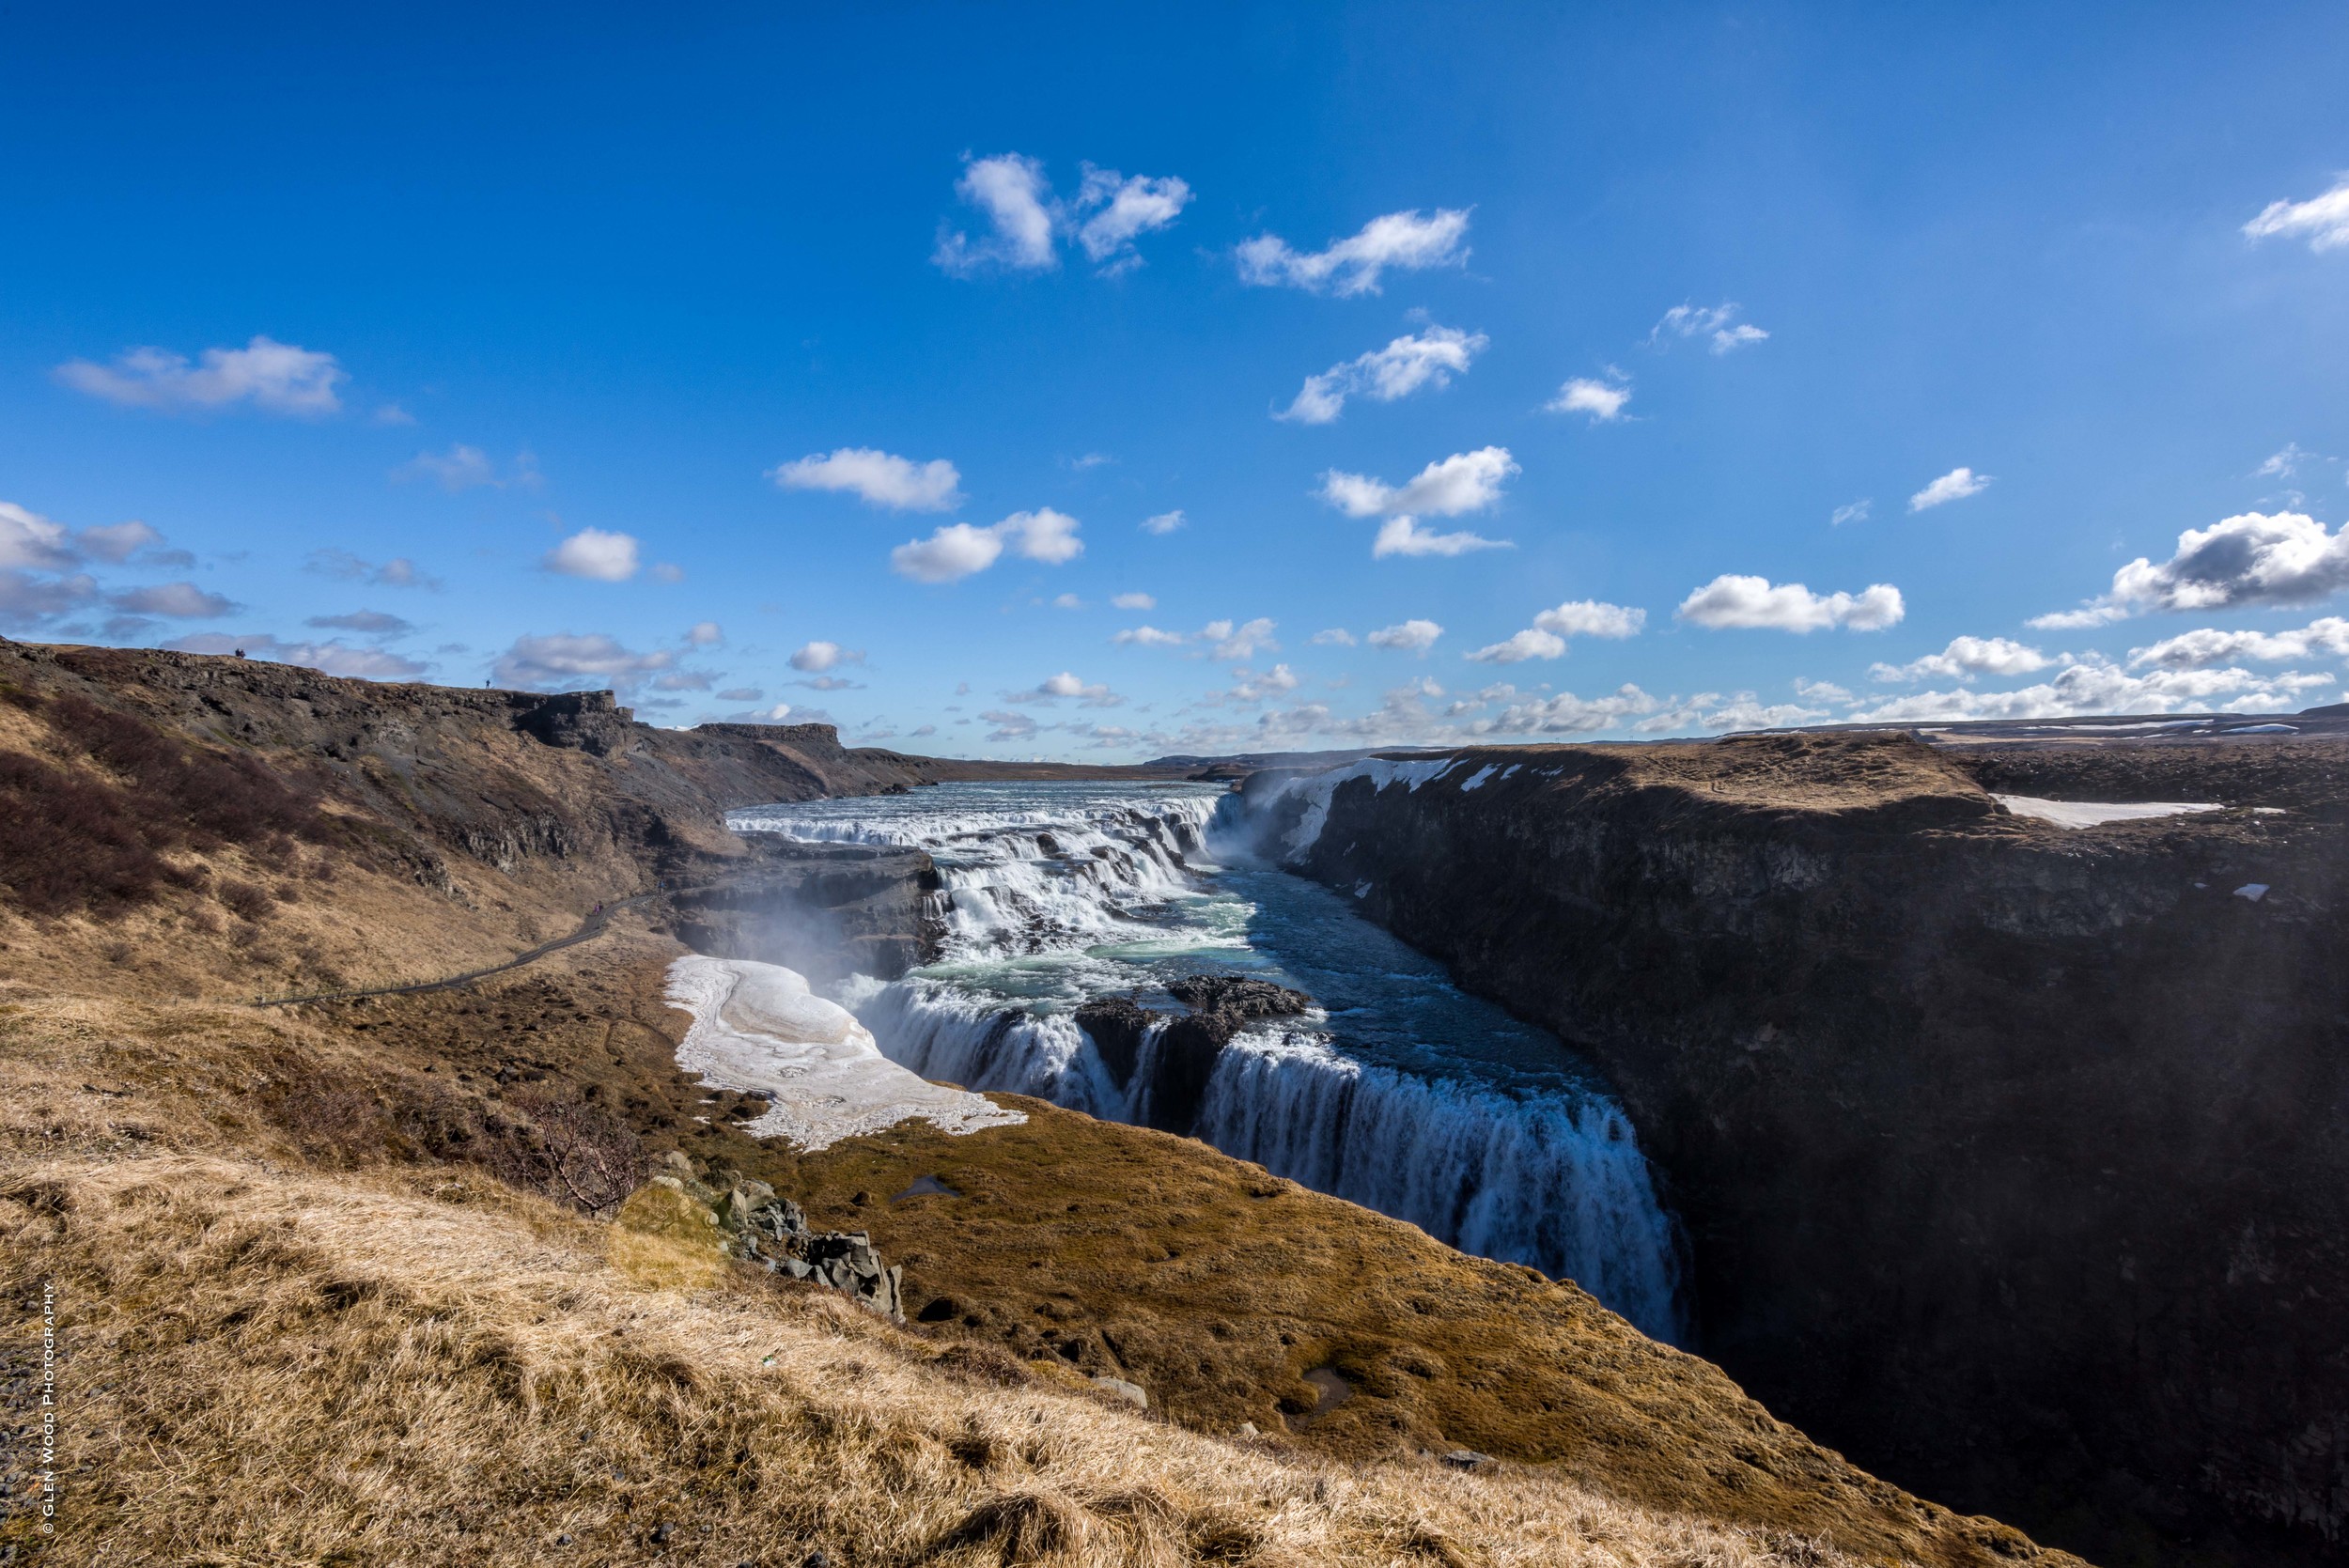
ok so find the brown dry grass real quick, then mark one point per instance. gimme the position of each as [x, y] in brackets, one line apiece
[269, 1368]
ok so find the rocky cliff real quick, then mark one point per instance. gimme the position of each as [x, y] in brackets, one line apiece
[2014, 1159]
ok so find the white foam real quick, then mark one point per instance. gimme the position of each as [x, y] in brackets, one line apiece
[2091, 814]
[757, 1026]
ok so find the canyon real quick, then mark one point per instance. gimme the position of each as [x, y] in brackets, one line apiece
[2005, 1157]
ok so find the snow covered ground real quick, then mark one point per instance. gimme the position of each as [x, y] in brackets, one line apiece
[2091, 814]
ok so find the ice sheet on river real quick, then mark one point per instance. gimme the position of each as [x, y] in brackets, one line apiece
[757, 1026]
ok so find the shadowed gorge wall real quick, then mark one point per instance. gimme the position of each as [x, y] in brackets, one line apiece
[2013, 1159]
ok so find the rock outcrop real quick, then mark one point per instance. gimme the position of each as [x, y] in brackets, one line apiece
[745, 1219]
[1175, 1054]
[2015, 1159]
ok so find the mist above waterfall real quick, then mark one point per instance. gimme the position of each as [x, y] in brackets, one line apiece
[1398, 1092]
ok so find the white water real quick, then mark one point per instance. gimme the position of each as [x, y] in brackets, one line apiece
[1400, 1091]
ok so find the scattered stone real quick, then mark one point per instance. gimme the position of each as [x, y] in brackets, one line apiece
[1133, 1393]
[751, 1222]
[1466, 1459]
[678, 1161]
[1248, 1429]
[660, 1534]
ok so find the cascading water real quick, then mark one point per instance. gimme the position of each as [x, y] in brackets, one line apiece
[1399, 1092]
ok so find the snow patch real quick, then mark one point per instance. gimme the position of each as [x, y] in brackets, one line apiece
[757, 1026]
[2091, 814]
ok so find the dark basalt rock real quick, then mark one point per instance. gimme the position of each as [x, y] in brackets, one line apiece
[1175, 1066]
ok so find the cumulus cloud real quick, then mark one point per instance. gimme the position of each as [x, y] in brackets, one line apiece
[1856, 511]
[1405, 240]
[1251, 687]
[1405, 537]
[2097, 685]
[1134, 601]
[1053, 688]
[817, 657]
[704, 634]
[1010, 724]
[25, 599]
[2327, 638]
[1957, 485]
[180, 600]
[1413, 636]
[1716, 324]
[1333, 637]
[280, 377]
[569, 661]
[2095, 612]
[1602, 400]
[334, 657]
[1464, 482]
[2255, 558]
[1165, 522]
[2285, 464]
[1241, 642]
[1149, 637]
[116, 542]
[1383, 375]
[1123, 210]
[372, 623]
[27, 540]
[596, 554]
[1734, 601]
[1965, 658]
[1025, 220]
[2322, 221]
[879, 478]
[958, 549]
[1547, 637]
[1068, 601]
[953, 551]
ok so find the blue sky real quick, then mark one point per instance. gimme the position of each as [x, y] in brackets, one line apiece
[831, 365]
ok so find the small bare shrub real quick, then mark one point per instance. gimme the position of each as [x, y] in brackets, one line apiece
[245, 900]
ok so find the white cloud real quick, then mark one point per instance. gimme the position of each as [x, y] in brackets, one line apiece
[2094, 613]
[1255, 688]
[1134, 601]
[1821, 691]
[1405, 537]
[29, 539]
[704, 634]
[1150, 637]
[817, 657]
[1009, 724]
[1965, 658]
[2097, 685]
[2255, 558]
[2327, 638]
[1126, 208]
[1464, 482]
[1068, 601]
[953, 551]
[1532, 643]
[1383, 375]
[1716, 324]
[2323, 219]
[117, 541]
[1957, 485]
[1590, 617]
[1413, 636]
[1053, 688]
[1547, 637]
[1602, 400]
[564, 661]
[334, 657]
[594, 553]
[2286, 463]
[1333, 637]
[1043, 534]
[1241, 642]
[1712, 713]
[1108, 213]
[1734, 601]
[879, 478]
[183, 600]
[278, 377]
[1353, 266]
[1011, 190]
[1165, 522]
[1856, 511]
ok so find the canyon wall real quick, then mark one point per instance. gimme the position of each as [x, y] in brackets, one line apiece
[2013, 1159]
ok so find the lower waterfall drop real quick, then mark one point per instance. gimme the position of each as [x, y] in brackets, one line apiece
[1398, 1092]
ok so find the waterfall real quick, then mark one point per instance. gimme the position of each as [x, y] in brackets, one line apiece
[1055, 895]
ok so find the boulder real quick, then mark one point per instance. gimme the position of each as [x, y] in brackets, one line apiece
[1133, 1393]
